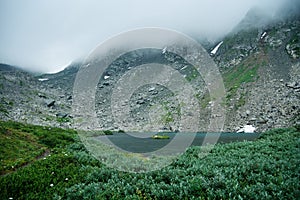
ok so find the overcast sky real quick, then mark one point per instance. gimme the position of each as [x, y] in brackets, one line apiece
[47, 35]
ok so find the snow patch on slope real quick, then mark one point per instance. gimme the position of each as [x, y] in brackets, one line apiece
[247, 129]
[263, 35]
[43, 79]
[214, 51]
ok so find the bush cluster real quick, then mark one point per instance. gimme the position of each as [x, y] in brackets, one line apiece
[267, 168]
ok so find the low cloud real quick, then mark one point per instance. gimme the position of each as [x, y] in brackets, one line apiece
[46, 36]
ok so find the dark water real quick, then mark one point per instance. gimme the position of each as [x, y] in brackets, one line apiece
[144, 143]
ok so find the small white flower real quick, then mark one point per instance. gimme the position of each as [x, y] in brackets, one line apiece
[66, 154]
[45, 158]
[52, 172]
[51, 185]
[66, 179]
[10, 198]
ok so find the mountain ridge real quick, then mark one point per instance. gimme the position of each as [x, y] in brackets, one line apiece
[259, 65]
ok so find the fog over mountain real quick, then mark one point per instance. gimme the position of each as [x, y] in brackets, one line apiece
[45, 36]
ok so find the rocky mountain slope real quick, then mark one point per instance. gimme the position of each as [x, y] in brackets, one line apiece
[27, 98]
[259, 65]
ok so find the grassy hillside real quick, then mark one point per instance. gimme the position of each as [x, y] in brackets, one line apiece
[245, 72]
[52, 163]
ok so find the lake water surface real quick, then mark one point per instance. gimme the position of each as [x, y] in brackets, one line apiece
[142, 142]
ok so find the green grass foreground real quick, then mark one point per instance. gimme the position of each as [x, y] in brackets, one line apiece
[51, 163]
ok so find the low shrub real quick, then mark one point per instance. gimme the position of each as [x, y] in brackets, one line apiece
[267, 168]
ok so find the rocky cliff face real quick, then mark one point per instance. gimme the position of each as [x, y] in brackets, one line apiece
[259, 65]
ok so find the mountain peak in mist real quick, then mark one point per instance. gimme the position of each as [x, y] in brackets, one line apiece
[254, 18]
